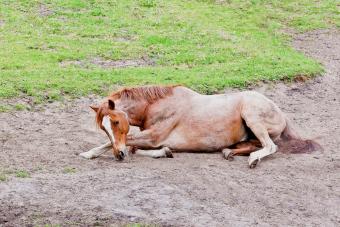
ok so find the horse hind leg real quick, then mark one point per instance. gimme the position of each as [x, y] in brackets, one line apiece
[241, 149]
[261, 133]
[260, 128]
[266, 121]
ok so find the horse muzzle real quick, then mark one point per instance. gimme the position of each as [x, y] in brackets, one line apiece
[122, 153]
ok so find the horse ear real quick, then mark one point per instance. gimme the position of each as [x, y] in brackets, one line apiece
[94, 108]
[111, 104]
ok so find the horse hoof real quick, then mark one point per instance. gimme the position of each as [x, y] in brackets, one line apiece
[253, 160]
[168, 153]
[253, 164]
[228, 154]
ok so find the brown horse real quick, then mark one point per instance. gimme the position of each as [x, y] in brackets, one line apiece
[175, 118]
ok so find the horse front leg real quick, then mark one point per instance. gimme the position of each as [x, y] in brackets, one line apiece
[97, 151]
[149, 139]
[145, 139]
[164, 152]
[152, 137]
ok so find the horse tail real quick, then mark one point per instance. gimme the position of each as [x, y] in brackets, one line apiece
[291, 142]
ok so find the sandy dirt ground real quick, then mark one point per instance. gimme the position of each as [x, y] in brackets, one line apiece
[188, 190]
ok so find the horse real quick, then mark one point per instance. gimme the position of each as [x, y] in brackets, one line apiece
[176, 118]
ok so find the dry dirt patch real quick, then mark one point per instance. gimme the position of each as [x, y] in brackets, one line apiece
[109, 64]
[44, 10]
[122, 63]
[189, 190]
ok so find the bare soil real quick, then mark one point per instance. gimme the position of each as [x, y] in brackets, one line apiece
[44, 11]
[188, 190]
[109, 64]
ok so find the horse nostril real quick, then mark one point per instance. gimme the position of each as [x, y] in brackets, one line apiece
[121, 153]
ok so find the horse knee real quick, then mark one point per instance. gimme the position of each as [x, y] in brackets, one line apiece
[154, 140]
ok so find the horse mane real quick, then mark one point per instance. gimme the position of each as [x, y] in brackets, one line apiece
[102, 111]
[149, 93]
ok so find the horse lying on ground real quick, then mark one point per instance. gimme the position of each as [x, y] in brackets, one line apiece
[175, 118]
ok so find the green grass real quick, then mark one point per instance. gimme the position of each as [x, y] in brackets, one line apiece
[5, 174]
[22, 174]
[3, 177]
[19, 107]
[11, 107]
[4, 108]
[68, 170]
[202, 44]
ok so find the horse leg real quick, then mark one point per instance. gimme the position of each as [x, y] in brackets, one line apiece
[265, 120]
[164, 152]
[95, 152]
[152, 137]
[241, 149]
[261, 133]
[144, 139]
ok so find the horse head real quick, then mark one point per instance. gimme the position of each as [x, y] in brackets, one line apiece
[115, 124]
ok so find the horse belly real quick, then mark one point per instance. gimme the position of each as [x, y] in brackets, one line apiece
[209, 123]
[189, 139]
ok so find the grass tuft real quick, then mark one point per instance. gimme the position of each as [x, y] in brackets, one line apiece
[20, 107]
[22, 174]
[4, 108]
[147, 3]
[68, 170]
[3, 177]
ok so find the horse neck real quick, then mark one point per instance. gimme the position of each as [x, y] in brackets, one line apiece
[136, 110]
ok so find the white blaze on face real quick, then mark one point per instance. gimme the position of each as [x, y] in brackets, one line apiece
[107, 125]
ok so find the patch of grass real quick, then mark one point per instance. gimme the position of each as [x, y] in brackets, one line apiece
[147, 3]
[4, 173]
[4, 108]
[19, 107]
[204, 44]
[69, 170]
[11, 107]
[22, 174]
[3, 177]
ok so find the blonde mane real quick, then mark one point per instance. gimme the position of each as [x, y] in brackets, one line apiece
[149, 93]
